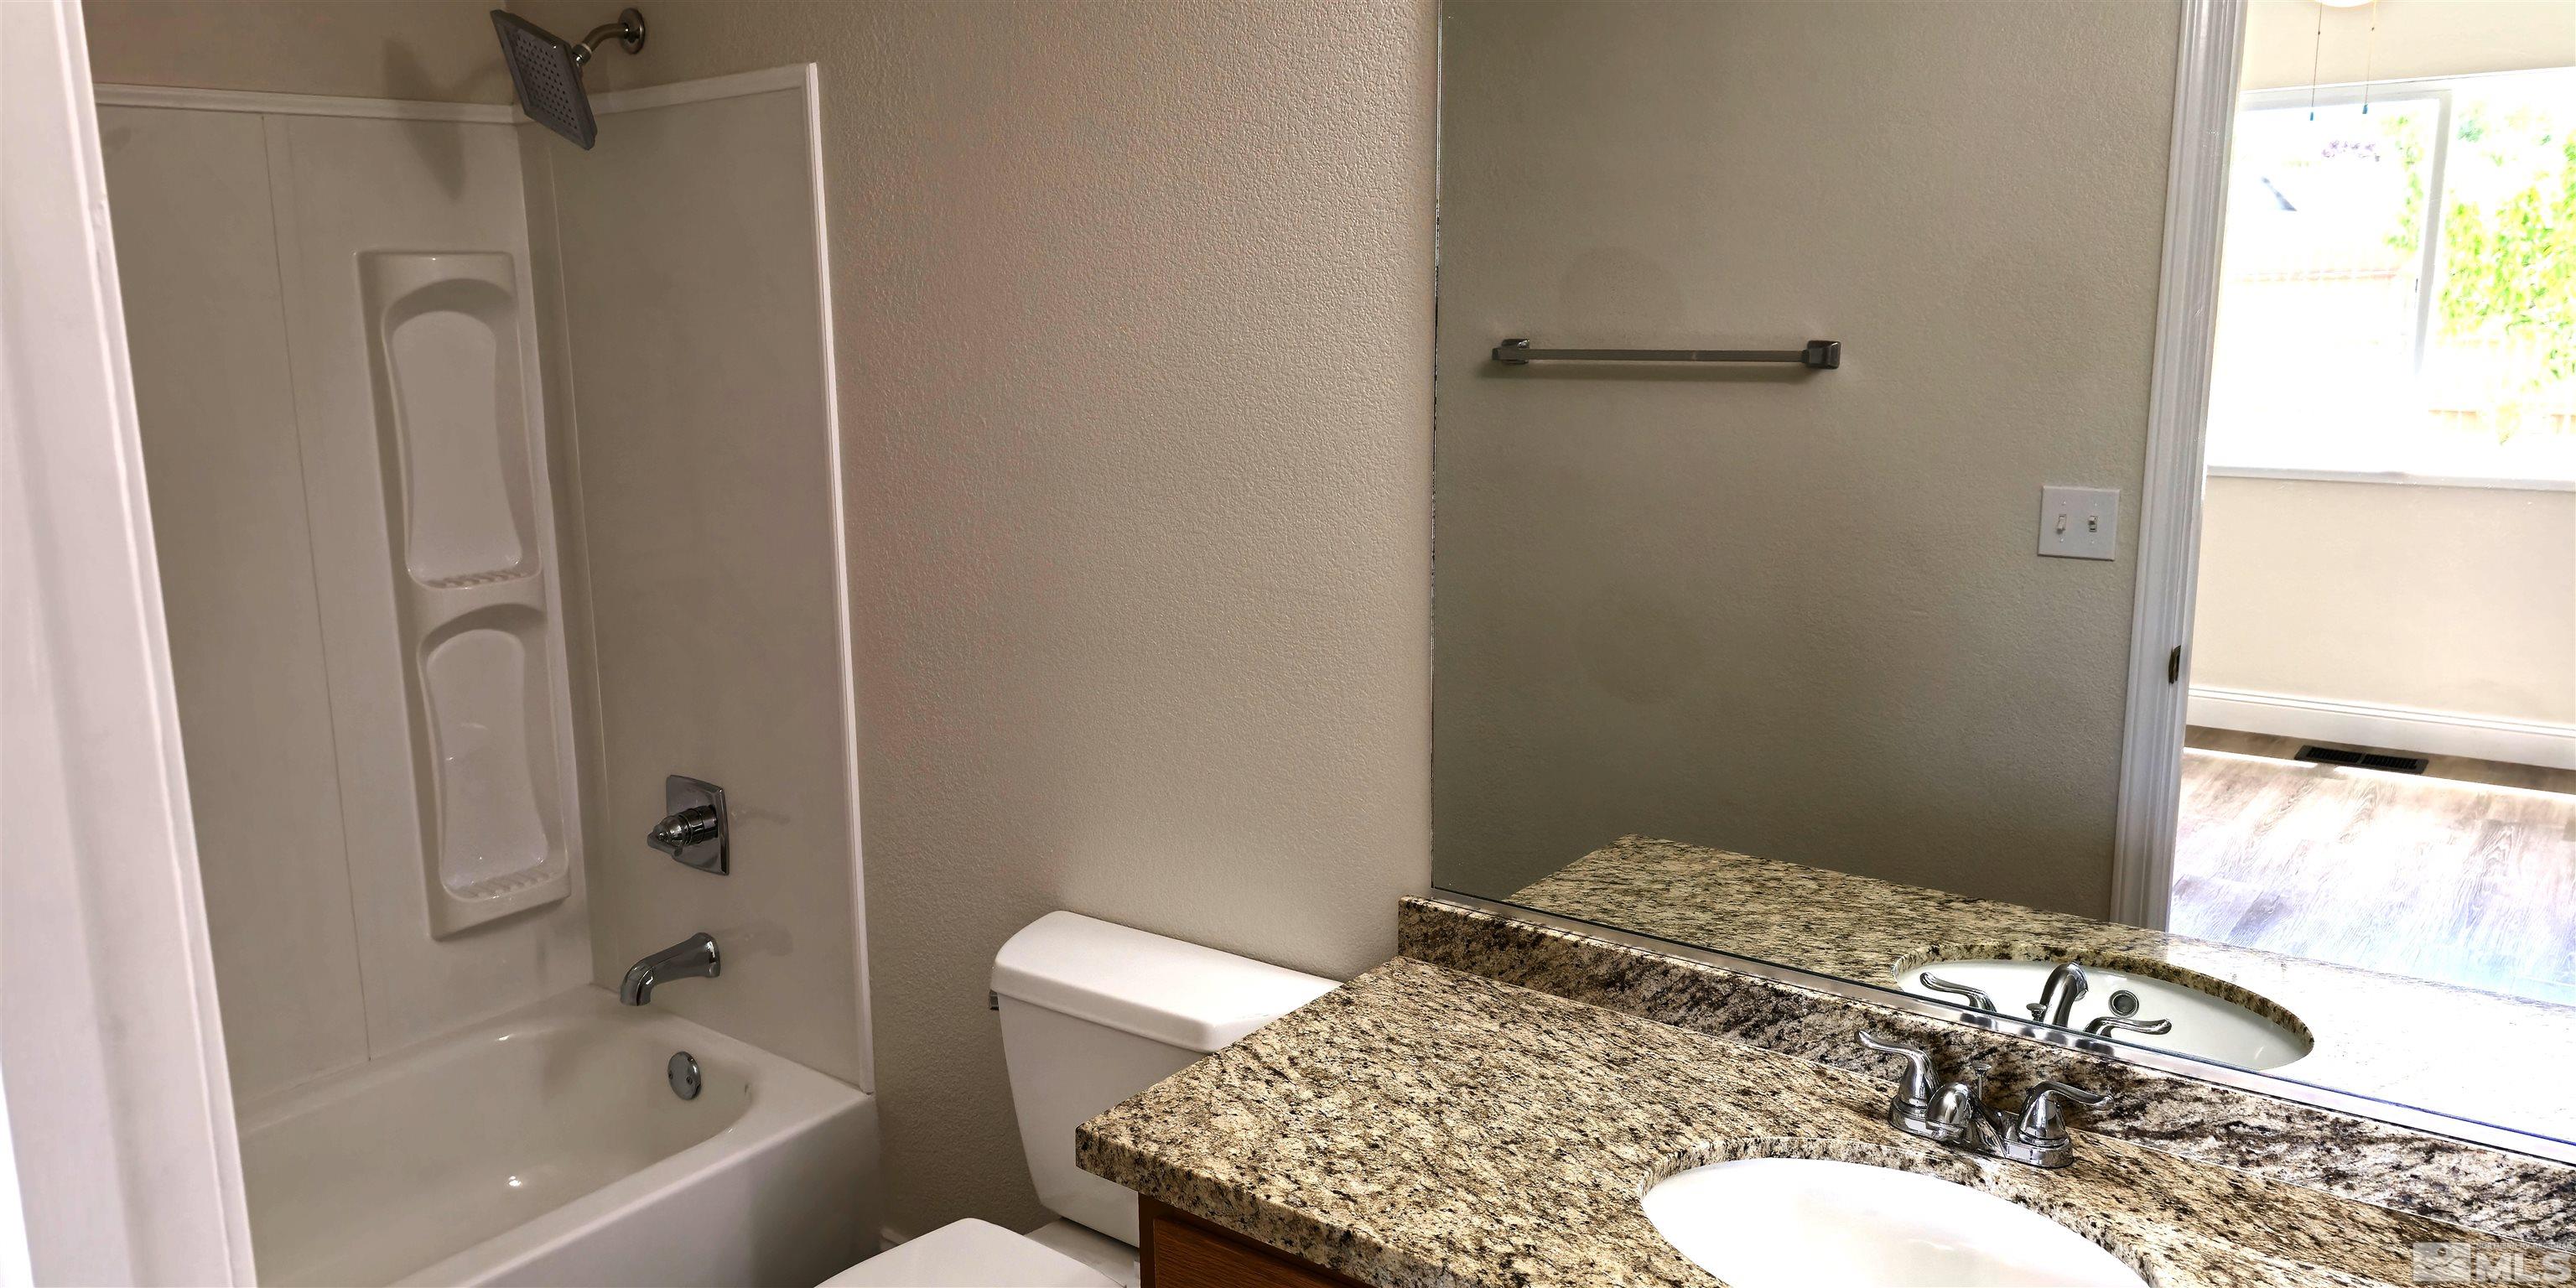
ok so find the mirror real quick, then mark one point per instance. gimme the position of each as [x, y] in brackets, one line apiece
[1823, 657]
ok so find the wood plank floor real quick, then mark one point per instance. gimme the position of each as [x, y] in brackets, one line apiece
[2465, 882]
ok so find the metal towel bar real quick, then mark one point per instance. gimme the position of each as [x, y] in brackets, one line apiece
[1819, 355]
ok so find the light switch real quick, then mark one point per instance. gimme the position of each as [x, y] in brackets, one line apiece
[2079, 522]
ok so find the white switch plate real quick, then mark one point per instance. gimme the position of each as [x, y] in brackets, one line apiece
[2079, 522]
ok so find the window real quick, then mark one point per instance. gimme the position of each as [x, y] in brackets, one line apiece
[2399, 289]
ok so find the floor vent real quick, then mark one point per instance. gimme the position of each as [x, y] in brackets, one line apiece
[2364, 759]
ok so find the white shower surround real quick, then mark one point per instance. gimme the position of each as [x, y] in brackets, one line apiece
[384, 1170]
[297, 268]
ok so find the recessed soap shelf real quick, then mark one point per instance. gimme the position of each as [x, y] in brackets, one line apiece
[498, 886]
[469, 580]
[461, 450]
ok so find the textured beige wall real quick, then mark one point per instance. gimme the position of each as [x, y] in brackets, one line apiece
[2289, 42]
[1795, 615]
[420, 49]
[1133, 315]
[2430, 598]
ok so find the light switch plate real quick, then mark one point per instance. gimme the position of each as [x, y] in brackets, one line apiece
[2079, 522]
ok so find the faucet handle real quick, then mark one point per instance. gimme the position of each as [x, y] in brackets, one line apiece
[2103, 1024]
[695, 831]
[1914, 1088]
[2043, 1124]
[1976, 997]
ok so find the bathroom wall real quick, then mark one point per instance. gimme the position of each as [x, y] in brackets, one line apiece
[1796, 615]
[1133, 310]
[2425, 599]
[693, 370]
[238, 235]
[204, 316]
[415, 49]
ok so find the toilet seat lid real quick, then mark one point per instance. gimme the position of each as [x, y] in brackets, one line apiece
[970, 1254]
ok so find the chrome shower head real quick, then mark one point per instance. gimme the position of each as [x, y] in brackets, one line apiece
[547, 72]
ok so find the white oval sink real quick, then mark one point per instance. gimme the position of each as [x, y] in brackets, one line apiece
[1799, 1222]
[2211, 1028]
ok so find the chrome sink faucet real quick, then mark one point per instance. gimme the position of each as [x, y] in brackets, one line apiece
[692, 958]
[1957, 1115]
[2057, 998]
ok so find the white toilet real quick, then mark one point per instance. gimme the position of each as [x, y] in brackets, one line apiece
[1092, 1013]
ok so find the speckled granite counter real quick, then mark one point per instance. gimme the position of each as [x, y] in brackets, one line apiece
[1422, 1128]
[2472, 1054]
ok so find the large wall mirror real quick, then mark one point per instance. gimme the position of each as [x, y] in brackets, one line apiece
[1796, 369]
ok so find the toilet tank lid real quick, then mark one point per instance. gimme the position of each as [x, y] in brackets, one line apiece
[1185, 995]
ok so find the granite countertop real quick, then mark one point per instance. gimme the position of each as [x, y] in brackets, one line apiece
[1419, 1127]
[2471, 1054]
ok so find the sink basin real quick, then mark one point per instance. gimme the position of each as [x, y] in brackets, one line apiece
[1798, 1222]
[2205, 1026]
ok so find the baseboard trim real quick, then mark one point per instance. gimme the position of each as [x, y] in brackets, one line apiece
[2440, 733]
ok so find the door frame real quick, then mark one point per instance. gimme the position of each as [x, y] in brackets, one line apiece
[120, 1115]
[2205, 96]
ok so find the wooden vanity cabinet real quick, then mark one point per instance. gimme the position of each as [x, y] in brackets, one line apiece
[1177, 1250]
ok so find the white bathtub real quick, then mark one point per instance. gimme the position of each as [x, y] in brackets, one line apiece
[547, 1148]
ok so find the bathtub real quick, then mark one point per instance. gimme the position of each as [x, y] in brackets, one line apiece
[547, 1148]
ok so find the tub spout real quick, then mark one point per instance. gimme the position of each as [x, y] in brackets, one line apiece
[691, 958]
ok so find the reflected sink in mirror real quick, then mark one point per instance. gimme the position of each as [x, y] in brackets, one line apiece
[1796, 1222]
[2244, 1030]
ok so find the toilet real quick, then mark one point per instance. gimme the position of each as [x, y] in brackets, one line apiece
[1092, 1013]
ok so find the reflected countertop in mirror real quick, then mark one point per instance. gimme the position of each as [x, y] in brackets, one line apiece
[2456, 1051]
[1835, 613]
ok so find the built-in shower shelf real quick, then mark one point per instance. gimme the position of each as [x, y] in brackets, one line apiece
[460, 447]
[502, 885]
[470, 580]
[513, 892]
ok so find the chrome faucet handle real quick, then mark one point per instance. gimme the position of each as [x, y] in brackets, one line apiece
[1914, 1087]
[696, 831]
[2043, 1124]
[2103, 1024]
[1976, 997]
[677, 832]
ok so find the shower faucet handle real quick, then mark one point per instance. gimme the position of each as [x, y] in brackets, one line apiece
[696, 832]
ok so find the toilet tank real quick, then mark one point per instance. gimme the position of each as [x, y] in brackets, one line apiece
[1093, 1013]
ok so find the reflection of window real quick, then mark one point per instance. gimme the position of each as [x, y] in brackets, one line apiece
[2400, 282]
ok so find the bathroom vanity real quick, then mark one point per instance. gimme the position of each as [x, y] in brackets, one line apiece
[1184, 1251]
[1423, 1125]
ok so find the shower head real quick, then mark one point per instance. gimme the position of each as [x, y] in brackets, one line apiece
[547, 72]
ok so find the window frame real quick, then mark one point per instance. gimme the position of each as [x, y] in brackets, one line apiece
[2440, 91]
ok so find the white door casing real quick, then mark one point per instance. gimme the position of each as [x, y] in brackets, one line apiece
[2213, 38]
[120, 1108]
